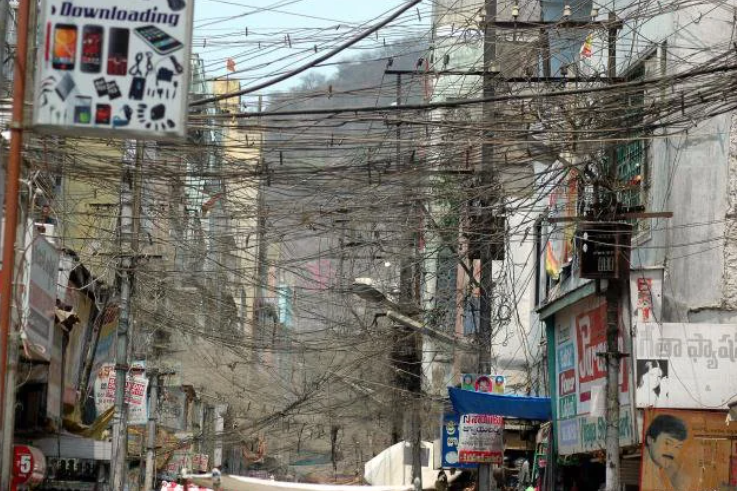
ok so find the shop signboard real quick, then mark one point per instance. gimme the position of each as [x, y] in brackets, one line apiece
[107, 68]
[683, 365]
[685, 450]
[449, 443]
[43, 263]
[581, 379]
[481, 439]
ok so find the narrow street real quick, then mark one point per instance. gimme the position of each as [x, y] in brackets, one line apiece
[399, 245]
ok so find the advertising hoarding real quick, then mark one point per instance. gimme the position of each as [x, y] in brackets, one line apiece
[107, 68]
[686, 450]
[581, 379]
[684, 365]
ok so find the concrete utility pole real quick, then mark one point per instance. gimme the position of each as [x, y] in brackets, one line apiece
[612, 298]
[153, 399]
[126, 266]
[407, 351]
[485, 208]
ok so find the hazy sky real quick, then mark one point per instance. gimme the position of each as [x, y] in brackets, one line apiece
[266, 37]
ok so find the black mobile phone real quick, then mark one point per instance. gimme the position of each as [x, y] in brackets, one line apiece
[91, 60]
[160, 41]
[117, 51]
[65, 46]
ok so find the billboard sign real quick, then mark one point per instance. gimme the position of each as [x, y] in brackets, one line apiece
[686, 450]
[683, 365]
[481, 439]
[493, 384]
[107, 68]
[581, 379]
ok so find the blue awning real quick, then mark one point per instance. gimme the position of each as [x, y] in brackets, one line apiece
[470, 402]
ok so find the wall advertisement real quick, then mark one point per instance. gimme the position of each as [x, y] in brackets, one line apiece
[581, 379]
[114, 69]
[683, 365]
[686, 450]
[481, 439]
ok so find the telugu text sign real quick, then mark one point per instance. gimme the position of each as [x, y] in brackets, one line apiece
[686, 366]
[481, 439]
[114, 68]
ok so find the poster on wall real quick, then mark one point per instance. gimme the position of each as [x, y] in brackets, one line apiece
[492, 384]
[683, 365]
[481, 439]
[449, 439]
[135, 393]
[107, 68]
[686, 450]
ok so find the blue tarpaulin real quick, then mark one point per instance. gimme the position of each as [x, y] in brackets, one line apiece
[470, 402]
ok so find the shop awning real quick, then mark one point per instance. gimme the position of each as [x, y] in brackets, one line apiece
[522, 407]
[239, 483]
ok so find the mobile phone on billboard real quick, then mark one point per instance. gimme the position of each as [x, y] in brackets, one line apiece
[117, 51]
[91, 59]
[83, 109]
[65, 46]
[160, 41]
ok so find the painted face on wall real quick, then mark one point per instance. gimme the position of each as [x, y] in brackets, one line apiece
[664, 450]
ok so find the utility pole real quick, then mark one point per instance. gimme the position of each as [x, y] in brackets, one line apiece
[126, 267]
[486, 207]
[407, 350]
[613, 355]
[153, 398]
[8, 335]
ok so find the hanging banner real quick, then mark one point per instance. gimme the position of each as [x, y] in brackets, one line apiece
[107, 68]
[481, 439]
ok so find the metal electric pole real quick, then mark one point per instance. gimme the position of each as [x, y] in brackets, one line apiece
[126, 265]
[407, 348]
[484, 210]
[8, 334]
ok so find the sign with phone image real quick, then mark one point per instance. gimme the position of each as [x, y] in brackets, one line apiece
[107, 68]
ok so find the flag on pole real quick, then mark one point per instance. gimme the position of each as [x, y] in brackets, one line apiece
[588, 48]
[230, 65]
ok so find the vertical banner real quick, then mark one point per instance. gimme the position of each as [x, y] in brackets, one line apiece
[481, 439]
[110, 68]
[43, 261]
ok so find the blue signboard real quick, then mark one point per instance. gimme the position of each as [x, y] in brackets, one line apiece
[449, 440]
